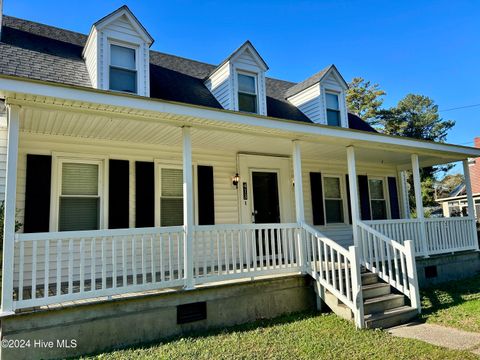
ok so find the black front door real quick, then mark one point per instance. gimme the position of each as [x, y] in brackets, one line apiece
[266, 206]
[266, 209]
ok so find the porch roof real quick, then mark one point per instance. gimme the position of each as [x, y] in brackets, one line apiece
[95, 114]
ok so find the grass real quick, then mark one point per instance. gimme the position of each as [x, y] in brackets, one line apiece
[455, 304]
[297, 336]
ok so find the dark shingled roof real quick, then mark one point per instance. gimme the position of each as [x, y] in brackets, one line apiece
[42, 52]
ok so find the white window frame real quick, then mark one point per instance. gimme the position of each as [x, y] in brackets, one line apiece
[340, 112]
[343, 198]
[237, 90]
[386, 195]
[134, 47]
[158, 187]
[58, 159]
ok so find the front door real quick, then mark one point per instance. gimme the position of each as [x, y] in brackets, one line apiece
[266, 205]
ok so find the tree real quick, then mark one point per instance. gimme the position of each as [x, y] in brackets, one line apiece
[445, 186]
[417, 116]
[365, 99]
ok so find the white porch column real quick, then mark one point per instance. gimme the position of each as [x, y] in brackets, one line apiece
[188, 207]
[419, 202]
[13, 113]
[297, 178]
[471, 203]
[353, 184]
[404, 194]
[299, 206]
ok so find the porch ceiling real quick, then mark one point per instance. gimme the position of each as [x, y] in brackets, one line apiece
[102, 122]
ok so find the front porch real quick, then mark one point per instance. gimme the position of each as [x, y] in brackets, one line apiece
[221, 238]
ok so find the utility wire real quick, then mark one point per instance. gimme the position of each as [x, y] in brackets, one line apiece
[459, 107]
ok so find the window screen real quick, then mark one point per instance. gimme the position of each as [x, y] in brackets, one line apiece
[377, 199]
[247, 93]
[333, 109]
[79, 203]
[123, 74]
[171, 199]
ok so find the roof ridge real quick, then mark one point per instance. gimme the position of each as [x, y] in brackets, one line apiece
[292, 83]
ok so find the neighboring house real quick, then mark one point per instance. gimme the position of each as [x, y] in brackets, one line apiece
[456, 203]
[132, 170]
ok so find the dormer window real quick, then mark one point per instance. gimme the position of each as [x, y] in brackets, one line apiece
[123, 69]
[333, 109]
[247, 93]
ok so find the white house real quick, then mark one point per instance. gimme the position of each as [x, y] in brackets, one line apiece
[132, 170]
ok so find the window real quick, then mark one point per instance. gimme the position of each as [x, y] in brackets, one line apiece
[247, 93]
[333, 200]
[123, 69]
[333, 109]
[79, 200]
[377, 199]
[171, 197]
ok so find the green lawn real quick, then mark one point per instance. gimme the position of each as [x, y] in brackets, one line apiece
[455, 304]
[301, 336]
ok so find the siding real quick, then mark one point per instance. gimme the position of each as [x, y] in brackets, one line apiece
[219, 86]
[91, 55]
[309, 102]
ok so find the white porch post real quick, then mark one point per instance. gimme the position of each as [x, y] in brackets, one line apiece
[9, 216]
[404, 194]
[419, 203]
[299, 206]
[188, 207]
[355, 208]
[471, 203]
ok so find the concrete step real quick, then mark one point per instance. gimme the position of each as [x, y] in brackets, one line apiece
[382, 303]
[375, 290]
[369, 278]
[337, 306]
[390, 318]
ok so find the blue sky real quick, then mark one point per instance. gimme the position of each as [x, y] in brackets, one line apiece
[425, 47]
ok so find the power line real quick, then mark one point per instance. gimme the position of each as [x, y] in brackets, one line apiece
[459, 107]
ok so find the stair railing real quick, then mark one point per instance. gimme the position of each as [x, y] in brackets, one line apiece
[336, 269]
[393, 262]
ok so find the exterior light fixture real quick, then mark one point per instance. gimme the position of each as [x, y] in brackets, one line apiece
[236, 180]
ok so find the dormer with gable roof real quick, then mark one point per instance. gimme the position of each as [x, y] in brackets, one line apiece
[238, 83]
[117, 53]
[322, 97]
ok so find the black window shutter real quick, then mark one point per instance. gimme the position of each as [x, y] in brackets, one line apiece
[347, 183]
[118, 194]
[37, 193]
[394, 205]
[206, 199]
[144, 194]
[317, 198]
[364, 197]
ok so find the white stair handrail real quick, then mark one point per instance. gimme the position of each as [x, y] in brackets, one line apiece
[391, 261]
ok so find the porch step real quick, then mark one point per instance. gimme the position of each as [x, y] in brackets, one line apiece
[381, 303]
[369, 278]
[375, 290]
[390, 317]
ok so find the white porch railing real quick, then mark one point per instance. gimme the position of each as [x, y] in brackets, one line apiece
[391, 261]
[224, 252]
[335, 268]
[52, 268]
[443, 235]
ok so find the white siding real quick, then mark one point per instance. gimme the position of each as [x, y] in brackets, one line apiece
[309, 102]
[91, 56]
[96, 53]
[223, 82]
[224, 166]
[219, 86]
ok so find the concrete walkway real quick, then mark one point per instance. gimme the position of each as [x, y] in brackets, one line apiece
[440, 336]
